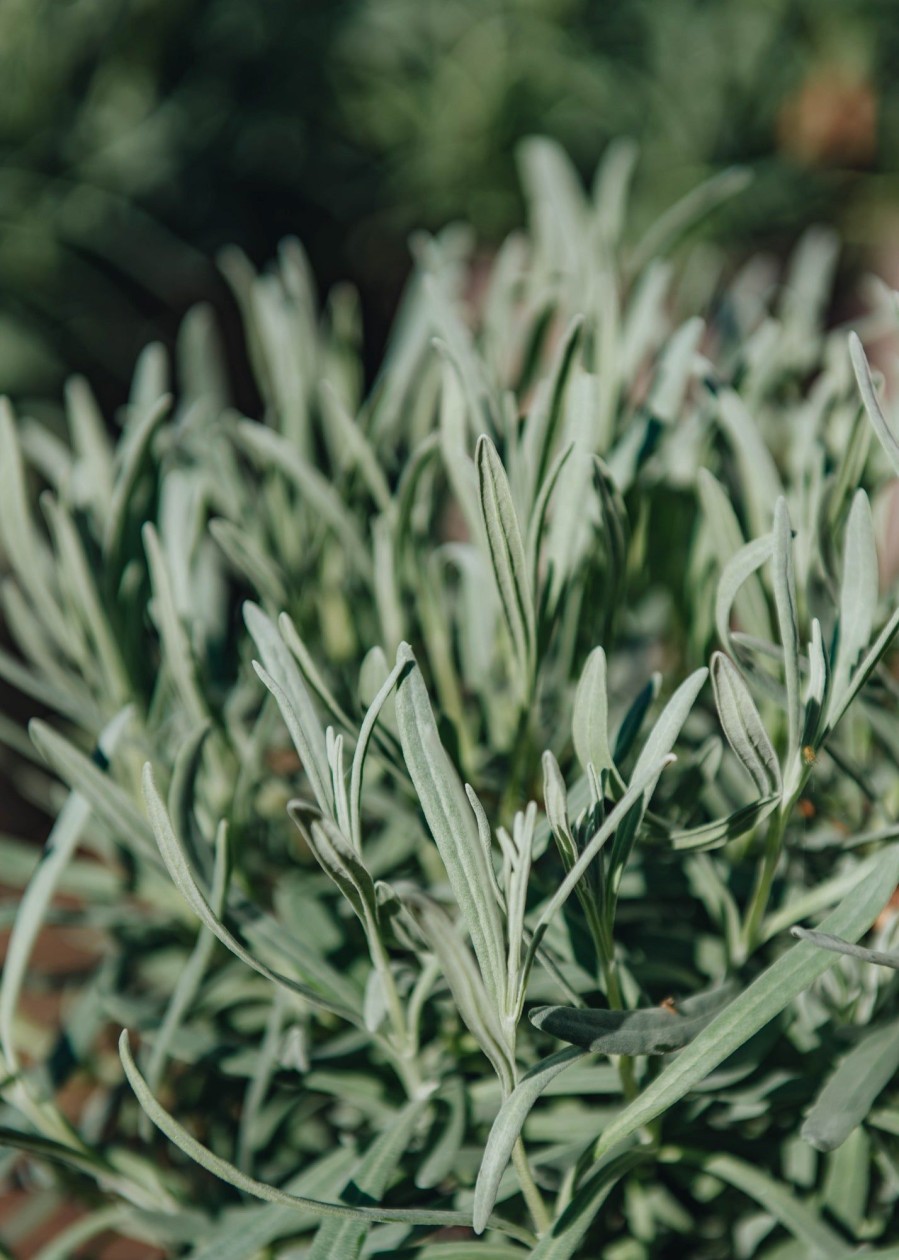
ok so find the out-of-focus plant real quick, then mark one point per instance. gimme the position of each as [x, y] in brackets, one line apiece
[138, 138]
[445, 764]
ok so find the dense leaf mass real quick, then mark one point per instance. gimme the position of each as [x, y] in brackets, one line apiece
[441, 770]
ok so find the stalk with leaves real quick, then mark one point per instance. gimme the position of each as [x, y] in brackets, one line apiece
[445, 765]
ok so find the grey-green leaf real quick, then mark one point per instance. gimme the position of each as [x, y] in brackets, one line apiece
[726, 537]
[453, 826]
[864, 670]
[507, 1127]
[712, 835]
[403, 662]
[803, 1222]
[858, 593]
[743, 726]
[670, 722]
[850, 1093]
[476, 1006]
[368, 1182]
[338, 859]
[826, 940]
[566, 1234]
[178, 867]
[762, 485]
[888, 439]
[787, 619]
[441, 1158]
[738, 570]
[590, 720]
[261, 1190]
[110, 802]
[283, 679]
[655, 1031]
[765, 998]
[507, 555]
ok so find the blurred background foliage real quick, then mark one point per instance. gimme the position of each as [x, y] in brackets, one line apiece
[138, 137]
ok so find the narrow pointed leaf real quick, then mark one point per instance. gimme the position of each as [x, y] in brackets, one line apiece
[738, 570]
[131, 457]
[555, 801]
[640, 784]
[368, 1182]
[850, 1093]
[177, 654]
[538, 515]
[864, 670]
[404, 661]
[271, 450]
[338, 859]
[826, 940]
[507, 555]
[714, 834]
[633, 719]
[567, 1232]
[743, 726]
[35, 902]
[888, 439]
[762, 485]
[561, 373]
[726, 537]
[671, 720]
[765, 998]
[282, 677]
[691, 208]
[191, 975]
[110, 802]
[178, 867]
[802, 1221]
[453, 826]
[311, 673]
[219, 1167]
[858, 592]
[476, 1006]
[785, 603]
[590, 721]
[655, 1031]
[818, 690]
[507, 1129]
[441, 1158]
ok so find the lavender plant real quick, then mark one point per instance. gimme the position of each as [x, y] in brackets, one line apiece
[446, 765]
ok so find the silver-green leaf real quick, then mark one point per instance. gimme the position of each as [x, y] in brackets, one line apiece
[743, 726]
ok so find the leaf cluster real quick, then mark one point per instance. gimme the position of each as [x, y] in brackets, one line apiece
[445, 766]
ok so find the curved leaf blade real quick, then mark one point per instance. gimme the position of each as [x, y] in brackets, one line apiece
[507, 1128]
[656, 1031]
[507, 555]
[765, 998]
[888, 439]
[851, 1091]
[743, 726]
[221, 1168]
[452, 824]
[590, 720]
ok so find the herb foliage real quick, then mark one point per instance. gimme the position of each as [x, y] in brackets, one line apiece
[445, 766]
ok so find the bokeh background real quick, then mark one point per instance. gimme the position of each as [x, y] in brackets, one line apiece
[138, 137]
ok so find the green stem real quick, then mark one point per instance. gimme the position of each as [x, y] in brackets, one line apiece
[517, 781]
[423, 986]
[623, 1062]
[402, 1044]
[758, 906]
[529, 1188]
[764, 881]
